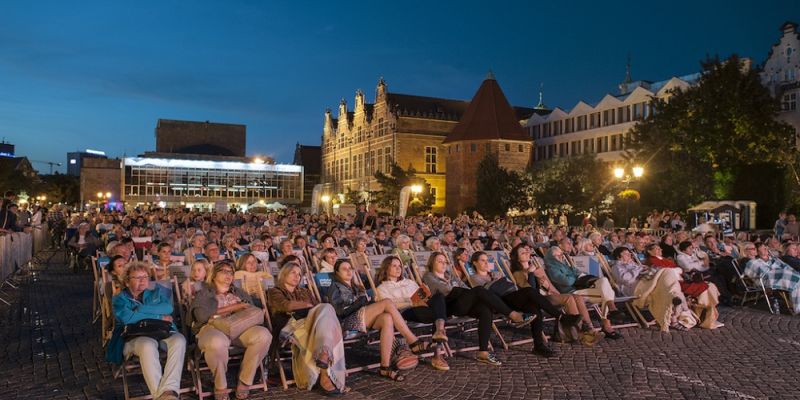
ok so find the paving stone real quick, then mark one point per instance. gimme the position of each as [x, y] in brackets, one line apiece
[52, 350]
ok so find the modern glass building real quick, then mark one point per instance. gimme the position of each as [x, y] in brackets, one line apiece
[204, 184]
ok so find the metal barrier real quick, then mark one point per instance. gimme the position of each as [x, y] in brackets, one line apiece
[18, 248]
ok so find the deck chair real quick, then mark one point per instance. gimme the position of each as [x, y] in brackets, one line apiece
[196, 363]
[634, 311]
[98, 265]
[106, 308]
[130, 365]
[751, 286]
[593, 266]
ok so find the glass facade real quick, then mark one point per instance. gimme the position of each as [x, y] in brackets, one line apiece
[175, 181]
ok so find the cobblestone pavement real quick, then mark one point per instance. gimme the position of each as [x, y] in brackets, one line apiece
[50, 349]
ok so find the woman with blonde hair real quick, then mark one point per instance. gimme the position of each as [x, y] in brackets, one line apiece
[247, 271]
[314, 331]
[219, 298]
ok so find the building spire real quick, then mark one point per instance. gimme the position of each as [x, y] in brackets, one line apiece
[490, 76]
[624, 87]
[541, 105]
[628, 70]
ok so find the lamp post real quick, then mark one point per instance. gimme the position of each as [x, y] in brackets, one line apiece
[325, 199]
[101, 198]
[628, 176]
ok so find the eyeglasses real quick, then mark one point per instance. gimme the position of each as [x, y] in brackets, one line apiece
[139, 278]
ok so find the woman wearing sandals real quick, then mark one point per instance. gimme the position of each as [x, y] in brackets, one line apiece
[313, 330]
[219, 298]
[477, 302]
[402, 292]
[356, 314]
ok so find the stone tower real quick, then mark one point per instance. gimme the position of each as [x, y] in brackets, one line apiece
[489, 125]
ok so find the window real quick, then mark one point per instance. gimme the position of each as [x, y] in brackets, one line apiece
[473, 147]
[508, 147]
[73, 161]
[458, 148]
[487, 147]
[380, 160]
[521, 148]
[790, 102]
[432, 191]
[430, 159]
[388, 159]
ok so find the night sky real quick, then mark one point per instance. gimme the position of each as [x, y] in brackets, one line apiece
[76, 75]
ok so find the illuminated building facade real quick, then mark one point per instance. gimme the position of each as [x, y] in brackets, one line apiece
[203, 183]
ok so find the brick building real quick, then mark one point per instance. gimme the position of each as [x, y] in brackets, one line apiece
[488, 126]
[406, 129]
[205, 138]
[104, 176]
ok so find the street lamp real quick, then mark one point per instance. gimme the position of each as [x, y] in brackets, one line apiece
[416, 189]
[627, 177]
[325, 199]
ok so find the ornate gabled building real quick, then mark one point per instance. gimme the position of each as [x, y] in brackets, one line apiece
[601, 128]
[406, 129]
[781, 74]
[488, 126]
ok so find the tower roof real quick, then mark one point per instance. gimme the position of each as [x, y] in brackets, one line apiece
[488, 116]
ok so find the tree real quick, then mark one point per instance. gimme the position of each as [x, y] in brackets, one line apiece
[697, 140]
[581, 183]
[499, 189]
[389, 195]
[61, 188]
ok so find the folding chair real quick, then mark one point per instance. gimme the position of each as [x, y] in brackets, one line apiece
[634, 311]
[196, 363]
[130, 365]
[98, 264]
[751, 287]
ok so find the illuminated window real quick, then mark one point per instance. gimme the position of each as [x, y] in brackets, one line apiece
[430, 160]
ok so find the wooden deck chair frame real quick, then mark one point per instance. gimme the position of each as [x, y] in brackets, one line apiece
[195, 362]
[130, 365]
[107, 319]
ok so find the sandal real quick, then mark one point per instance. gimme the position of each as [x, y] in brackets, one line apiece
[420, 347]
[221, 395]
[242, 392]
[679, 327]
[322, 364]
[405, 360]
[393, 374]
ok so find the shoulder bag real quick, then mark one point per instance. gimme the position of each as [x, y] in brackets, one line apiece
[157, 329]
[234, 324]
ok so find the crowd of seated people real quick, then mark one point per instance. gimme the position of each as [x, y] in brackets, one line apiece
[237, 261]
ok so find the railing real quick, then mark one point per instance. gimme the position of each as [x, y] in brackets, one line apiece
[18, 248]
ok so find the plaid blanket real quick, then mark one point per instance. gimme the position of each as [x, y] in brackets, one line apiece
[776, 274]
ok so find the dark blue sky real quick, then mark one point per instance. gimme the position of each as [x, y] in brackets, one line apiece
[77, 75]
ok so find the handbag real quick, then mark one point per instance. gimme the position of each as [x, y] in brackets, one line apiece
[234, 324]
[502, 287]
[157, 329]
[585, 282]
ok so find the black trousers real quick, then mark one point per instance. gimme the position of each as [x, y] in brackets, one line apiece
[436, 309]
[529, 300]
[480, 304]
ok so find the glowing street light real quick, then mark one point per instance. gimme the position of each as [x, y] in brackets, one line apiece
[325, 198]
[638, 171]
[416, 189]
[259, 160]
[619, 172]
